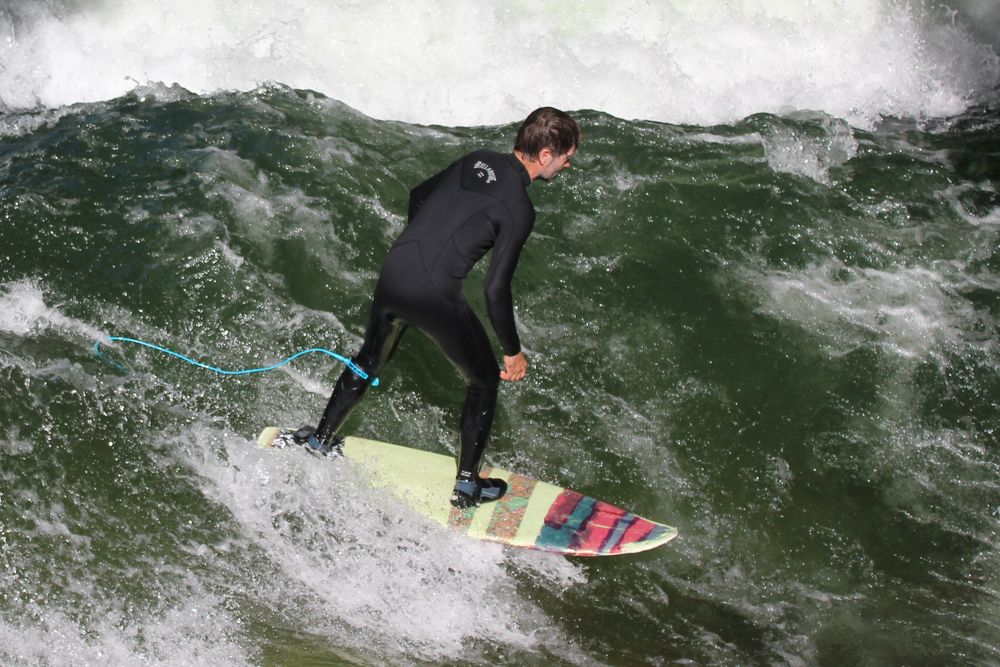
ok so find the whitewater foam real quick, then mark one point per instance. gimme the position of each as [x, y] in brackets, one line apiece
[790, 151]
[196, 632]
[491, 62]
[906, 311]
[23, 311]
[376, 577]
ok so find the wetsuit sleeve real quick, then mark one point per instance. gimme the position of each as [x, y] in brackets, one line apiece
[514, 231]
[419, 194]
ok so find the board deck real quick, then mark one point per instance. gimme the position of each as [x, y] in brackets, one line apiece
[532, 514]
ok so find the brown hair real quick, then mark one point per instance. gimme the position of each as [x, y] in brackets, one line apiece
[547, 128]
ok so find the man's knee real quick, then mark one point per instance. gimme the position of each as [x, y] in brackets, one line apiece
[486, 381]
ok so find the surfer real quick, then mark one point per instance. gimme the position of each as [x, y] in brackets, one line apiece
[478, 203]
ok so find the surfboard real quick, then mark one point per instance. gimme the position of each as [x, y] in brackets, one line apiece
[532, 514]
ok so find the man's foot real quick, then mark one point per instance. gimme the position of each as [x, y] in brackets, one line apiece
[472, 492]
[306, 436]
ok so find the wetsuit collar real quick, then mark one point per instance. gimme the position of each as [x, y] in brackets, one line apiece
[520, 168]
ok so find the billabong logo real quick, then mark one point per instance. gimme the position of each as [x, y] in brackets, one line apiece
[484, 170]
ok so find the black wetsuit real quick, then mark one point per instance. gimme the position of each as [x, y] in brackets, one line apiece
[476, 204]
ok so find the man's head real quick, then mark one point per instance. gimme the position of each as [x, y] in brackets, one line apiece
[547, 140]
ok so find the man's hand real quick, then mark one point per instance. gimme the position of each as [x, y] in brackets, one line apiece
[514, 368]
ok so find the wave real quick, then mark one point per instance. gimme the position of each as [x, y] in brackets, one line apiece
[458, 63]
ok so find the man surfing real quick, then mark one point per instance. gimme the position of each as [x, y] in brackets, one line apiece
[478, 203]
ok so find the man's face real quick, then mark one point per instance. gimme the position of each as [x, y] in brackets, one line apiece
[552, 164]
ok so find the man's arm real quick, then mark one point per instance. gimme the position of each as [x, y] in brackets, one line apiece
[514, 231]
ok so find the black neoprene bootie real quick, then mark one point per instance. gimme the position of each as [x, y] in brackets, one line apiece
[306, 436]
[491, 488]
[472, 492]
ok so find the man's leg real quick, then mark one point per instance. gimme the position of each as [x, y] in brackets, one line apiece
[381, 340]
[476, 425]
[477, 422]
[467, 346]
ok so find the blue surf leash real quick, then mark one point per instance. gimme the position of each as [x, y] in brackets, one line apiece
[330, 353]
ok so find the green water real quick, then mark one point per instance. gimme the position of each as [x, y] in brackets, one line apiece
[779, 335]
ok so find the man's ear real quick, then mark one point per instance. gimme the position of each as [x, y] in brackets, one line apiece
[545, 156]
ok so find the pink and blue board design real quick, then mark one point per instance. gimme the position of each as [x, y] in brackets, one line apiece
[579, 523]
[541, 516]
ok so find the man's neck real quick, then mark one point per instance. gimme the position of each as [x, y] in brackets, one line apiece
[531, 165]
